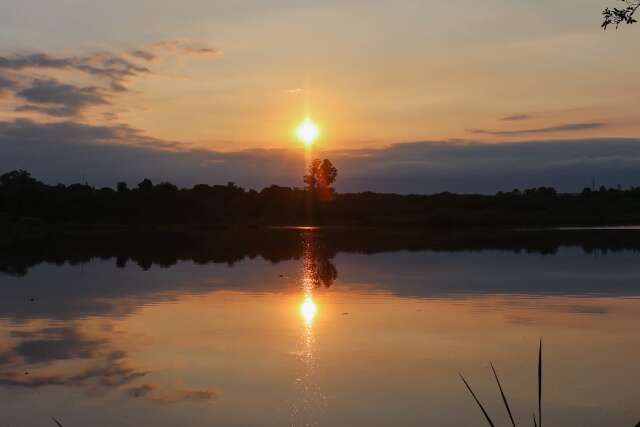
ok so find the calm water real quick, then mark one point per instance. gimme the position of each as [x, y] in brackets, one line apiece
[318, 328]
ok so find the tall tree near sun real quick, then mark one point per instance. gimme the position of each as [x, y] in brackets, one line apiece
[617, 16]
[320, 176]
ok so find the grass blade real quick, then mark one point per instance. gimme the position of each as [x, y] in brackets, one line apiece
[504, 398]
[56, 421]
[535, 424]
[477, 401]
[540, 384]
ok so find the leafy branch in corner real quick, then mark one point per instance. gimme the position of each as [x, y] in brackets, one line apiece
[617, 16]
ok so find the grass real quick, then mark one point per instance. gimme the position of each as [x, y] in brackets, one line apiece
[505, 401]
[536, 422]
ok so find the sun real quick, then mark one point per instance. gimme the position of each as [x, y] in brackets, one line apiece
[307, 132]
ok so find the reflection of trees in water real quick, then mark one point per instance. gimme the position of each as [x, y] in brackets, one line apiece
[165, 249]
[320, 270]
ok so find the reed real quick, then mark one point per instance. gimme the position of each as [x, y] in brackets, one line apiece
[536, 422]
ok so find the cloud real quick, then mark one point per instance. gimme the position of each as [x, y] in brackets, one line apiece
[187, 47]
[516, 117]
[6, 85]
[37, 79]
[113, 67]
[568, 127]
[59, 99]
[143, 54]
[103, 155]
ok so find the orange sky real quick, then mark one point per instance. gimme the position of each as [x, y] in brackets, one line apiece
[371, 73]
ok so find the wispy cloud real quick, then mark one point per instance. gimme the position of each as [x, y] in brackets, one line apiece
[113, 67]
[38, 79]
[143, 54]
[187, 47]
[568, 127]
[516, 117]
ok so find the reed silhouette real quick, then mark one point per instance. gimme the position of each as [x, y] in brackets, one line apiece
[536, 422]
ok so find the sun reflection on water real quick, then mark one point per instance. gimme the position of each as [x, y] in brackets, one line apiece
[308, 310]
[310, 401]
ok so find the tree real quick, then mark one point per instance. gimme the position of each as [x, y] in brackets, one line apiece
[18, 179]
[145, 185]
[617, 16]
[122, 187]
[321, 175]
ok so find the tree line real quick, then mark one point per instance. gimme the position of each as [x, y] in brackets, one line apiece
[24, 199]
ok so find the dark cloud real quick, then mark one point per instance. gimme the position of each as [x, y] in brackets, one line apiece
[112, 67]
[66, 151]
[6, 84]
[467, 167]
[111, 71]
[568, 127]
[143, 54]
[516, 117]
[35, 60]
[59, 99]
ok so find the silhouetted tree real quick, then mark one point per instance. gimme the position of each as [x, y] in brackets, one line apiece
[146, 185]
[18, 179]
[23, 198]
[166, 187]
[122, 187]
[321, 175]
[617, 16]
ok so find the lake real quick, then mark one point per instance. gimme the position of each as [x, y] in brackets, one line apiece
[312, 327]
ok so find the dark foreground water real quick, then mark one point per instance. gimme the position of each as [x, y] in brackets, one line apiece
[319, 328]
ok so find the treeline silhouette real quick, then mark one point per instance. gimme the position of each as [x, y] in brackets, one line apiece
[165, 249]
[25, 200]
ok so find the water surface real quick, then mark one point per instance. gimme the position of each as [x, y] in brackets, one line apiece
[318, 327]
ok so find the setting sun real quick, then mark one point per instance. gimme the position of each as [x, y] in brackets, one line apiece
[307, 132]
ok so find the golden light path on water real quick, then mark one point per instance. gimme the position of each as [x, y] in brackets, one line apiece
[310, 400]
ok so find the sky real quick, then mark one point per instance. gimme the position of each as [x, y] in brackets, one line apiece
[410, 96]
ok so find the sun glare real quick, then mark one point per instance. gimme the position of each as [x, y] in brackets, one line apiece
[307, 132]
[308, 310]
